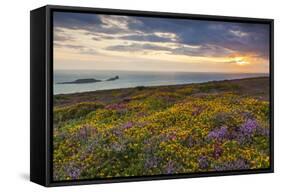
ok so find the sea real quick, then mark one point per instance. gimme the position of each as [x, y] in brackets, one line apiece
[135, 79]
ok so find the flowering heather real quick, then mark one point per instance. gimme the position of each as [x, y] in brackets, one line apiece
[91, 146]
[170, 168]
[151, 162]
[246, 131]
[73, 172]
[116, 106]
[263, 131]
[249, 127]
[238, 164]
[117, 131]
[218, 134]
[203, 162]
[201, 130]
[217, 151]
[127, 125]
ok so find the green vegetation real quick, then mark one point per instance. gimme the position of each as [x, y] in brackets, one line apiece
[213, 126]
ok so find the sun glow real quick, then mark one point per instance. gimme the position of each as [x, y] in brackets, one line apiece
[240, 61]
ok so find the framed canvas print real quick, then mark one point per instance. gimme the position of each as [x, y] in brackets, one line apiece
[119, 95]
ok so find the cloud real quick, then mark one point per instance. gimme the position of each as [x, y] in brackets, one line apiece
[75, 20]
[212, 38]
[136, 47]
[70, 46]
[207, 50]
[88, 51]
[94, 23]
[77, 48]
[178, 49]
[120, 22]
[238, 33]
[60, 35]
[147, 37]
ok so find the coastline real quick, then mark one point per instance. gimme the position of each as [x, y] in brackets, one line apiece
[66, 83]
[246, 84]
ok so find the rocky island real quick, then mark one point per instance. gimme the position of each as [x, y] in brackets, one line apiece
[79, 81]
[113, 78]
[88, 80]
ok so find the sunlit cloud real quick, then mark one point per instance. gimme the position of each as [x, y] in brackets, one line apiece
[239, 33]
[140, 43]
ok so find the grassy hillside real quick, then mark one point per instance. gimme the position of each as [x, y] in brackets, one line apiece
[210, 126]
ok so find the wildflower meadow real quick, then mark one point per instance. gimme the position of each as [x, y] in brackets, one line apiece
[206, 127]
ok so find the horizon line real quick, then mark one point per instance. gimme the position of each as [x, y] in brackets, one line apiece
[161, 71]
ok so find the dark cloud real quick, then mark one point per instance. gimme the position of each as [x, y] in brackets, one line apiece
[96, 38]
[75, 20]
[194, 32]
[204, 50]
[99, 37]
[215, 38]
[150, 37]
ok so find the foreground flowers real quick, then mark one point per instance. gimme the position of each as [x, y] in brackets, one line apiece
[161, 130]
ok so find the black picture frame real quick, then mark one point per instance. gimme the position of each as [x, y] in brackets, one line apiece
[41, 93]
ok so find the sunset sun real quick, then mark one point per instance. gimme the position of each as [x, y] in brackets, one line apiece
[240, 61]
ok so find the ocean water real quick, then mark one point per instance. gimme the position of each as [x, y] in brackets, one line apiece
[134, 79]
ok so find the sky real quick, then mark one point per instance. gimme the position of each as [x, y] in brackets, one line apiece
[86, 41]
